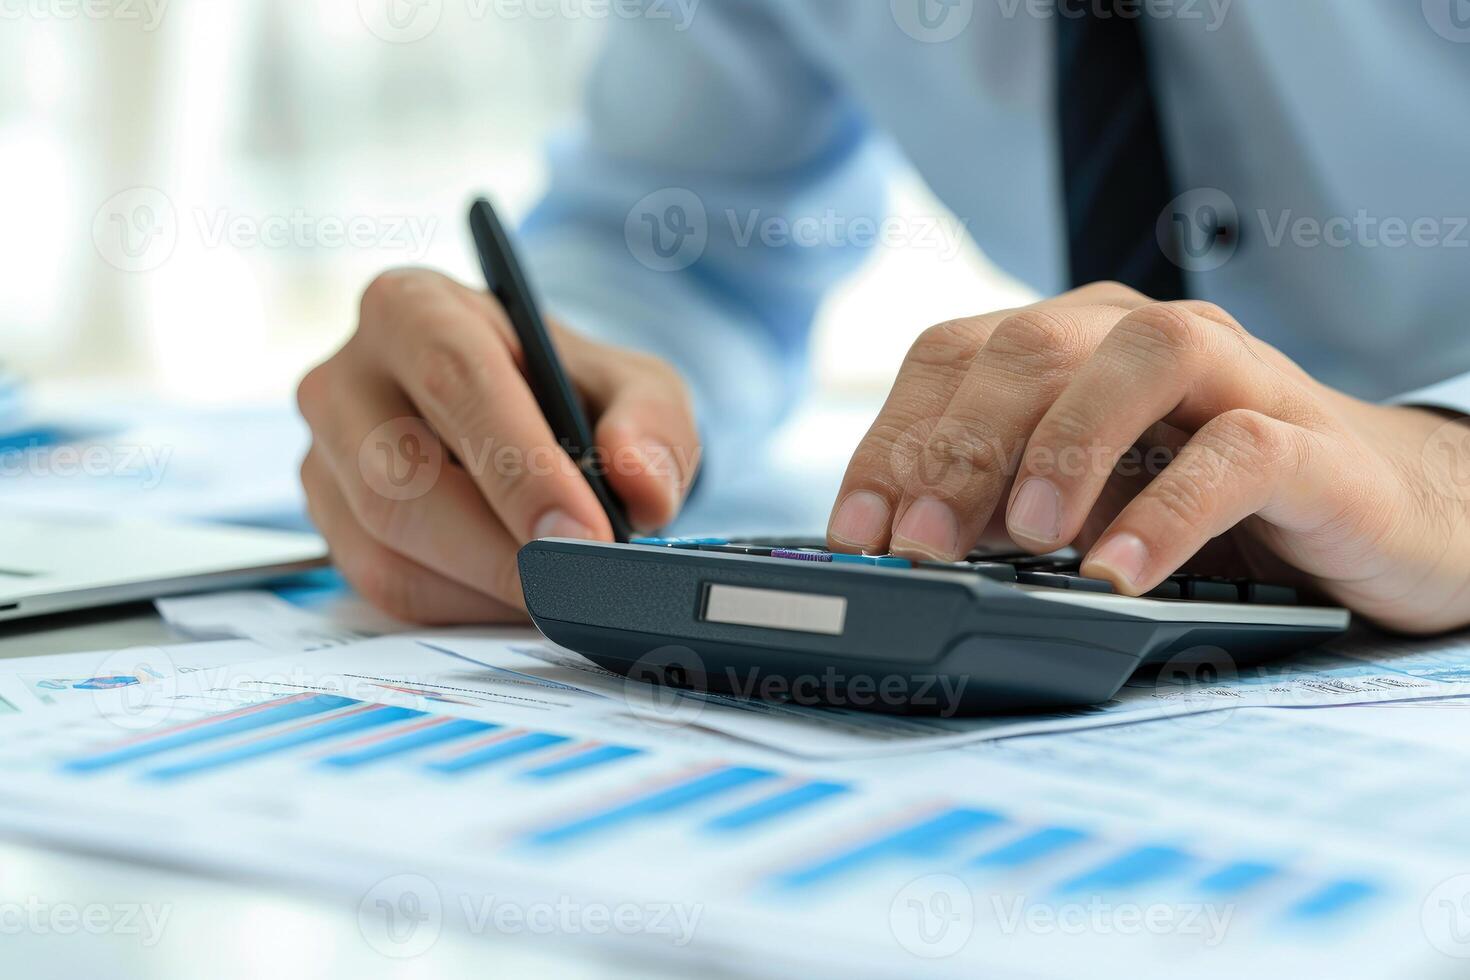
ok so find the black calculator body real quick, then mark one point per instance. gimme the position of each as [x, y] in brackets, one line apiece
[790, 621]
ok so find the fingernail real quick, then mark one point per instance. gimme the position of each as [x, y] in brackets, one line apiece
[860, 520]
[929, 527]
[1036, 513]
[558, 524]
[1121, 558]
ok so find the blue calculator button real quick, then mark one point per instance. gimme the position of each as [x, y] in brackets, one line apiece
[880, 561]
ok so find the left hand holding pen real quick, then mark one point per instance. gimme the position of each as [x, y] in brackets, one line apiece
[1150, 435]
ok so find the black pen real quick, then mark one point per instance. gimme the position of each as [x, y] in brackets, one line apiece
[548, 381]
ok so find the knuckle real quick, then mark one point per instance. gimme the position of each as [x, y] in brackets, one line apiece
[1246, 438]
[1166, 329]
[313, 391]
[1039, 340]
[950, 344]
[387, 291]
[1209, 311]
[1066, 424]
[1110, 291]
[957, 452]
[1184, 494]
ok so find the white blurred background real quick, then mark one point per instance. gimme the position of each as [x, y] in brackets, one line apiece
[195, 191]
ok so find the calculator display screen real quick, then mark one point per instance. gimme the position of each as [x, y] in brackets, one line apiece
[775, 609]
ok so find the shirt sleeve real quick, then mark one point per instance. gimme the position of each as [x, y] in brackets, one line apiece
[717, 187]
[1452, 394]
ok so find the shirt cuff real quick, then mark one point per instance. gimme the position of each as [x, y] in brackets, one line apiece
[1452, 394]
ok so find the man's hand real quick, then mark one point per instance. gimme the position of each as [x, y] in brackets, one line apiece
[1149, 435]
[431, 464]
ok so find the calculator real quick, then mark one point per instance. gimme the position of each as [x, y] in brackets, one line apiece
[790, 621]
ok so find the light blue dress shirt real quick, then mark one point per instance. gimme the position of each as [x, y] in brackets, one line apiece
[731, 164]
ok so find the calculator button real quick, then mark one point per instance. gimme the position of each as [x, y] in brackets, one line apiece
[1167, 589]
[1274, 595]
[1054, 580]
[994, 570]
[800, 555]
[1209, 589]
[880, 561]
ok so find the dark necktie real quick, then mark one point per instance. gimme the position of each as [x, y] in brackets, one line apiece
[1115, 178]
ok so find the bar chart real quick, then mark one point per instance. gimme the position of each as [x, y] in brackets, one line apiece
[566, 796]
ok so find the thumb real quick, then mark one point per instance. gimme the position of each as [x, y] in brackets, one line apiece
[651, 448]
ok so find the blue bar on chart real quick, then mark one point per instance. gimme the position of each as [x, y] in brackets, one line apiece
[1035, 846]
[1236, 877]
[1332, 899]
[775, 806]
[687, 792]
[443, 730]
[193, 733]
[495, 752]
[928, 838]
[1135, 867]
[313, 730]
[589, 758]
